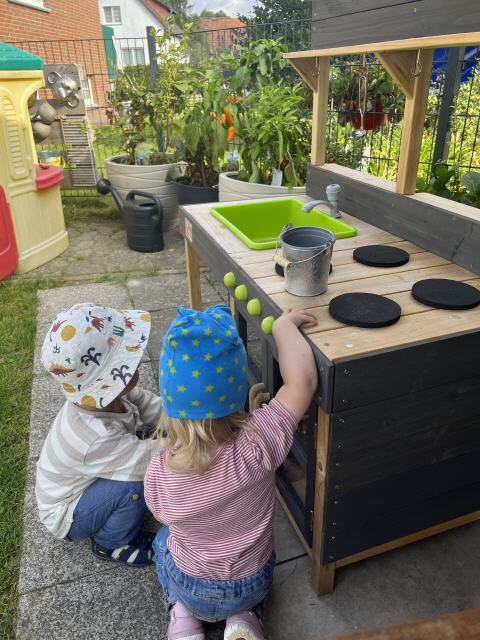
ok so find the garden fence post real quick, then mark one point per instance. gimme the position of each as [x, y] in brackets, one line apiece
[453, 74]
[152, 56]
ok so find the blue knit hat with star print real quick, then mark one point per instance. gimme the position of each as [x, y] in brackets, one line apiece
[203, 365]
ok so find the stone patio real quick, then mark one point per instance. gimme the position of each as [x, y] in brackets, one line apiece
[65, 593]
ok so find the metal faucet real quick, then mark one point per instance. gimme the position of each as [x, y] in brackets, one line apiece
[332, 192]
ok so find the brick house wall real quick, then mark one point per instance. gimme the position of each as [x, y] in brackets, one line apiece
[60, 31]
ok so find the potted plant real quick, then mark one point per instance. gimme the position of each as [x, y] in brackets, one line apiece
[203, 130]
[273, 141]
[144, 116]
[271, 125]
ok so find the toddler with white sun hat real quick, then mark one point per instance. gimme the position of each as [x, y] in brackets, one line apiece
[89, 481]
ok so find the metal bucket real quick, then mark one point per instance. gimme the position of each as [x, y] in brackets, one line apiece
[307, 252]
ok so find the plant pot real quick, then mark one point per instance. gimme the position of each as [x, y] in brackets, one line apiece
[191, 194]
[232, 189]
[150, 178]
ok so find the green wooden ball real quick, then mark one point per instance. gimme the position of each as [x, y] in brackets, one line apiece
[229, 280]
[254, 307]
[241, 292]
[267, 324]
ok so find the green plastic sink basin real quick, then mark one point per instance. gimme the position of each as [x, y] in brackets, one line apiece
[259, 224]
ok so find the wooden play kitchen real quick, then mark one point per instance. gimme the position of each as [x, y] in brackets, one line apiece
[390, 452]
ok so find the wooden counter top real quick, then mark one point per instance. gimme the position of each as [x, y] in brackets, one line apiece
[418, 323]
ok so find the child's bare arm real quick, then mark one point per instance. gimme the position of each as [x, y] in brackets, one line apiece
[297, 364]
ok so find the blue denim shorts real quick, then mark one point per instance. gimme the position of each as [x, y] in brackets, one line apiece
[210, 600]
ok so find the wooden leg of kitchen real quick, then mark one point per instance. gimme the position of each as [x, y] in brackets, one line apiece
[323, 575]
[193, 277]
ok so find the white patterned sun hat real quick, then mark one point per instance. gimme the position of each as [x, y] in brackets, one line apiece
[94, 351]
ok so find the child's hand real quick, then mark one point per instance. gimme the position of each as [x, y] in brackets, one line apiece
[297, 364]
[299, 318]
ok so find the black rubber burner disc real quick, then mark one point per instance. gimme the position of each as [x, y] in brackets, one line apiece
[365, 310]
[380, 255]
[281, 271]
[441, 293]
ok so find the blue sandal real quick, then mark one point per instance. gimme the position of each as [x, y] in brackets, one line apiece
[137, 553]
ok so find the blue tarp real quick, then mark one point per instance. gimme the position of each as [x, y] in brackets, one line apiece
[440, 63]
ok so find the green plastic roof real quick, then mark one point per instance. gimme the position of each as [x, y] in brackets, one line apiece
[15, 59]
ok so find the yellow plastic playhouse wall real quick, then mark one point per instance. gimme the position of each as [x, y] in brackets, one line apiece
[37, 216]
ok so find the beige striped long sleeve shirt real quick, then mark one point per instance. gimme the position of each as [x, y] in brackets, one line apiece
[82, 446]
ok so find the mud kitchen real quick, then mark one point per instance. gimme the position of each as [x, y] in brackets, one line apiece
[390, 451]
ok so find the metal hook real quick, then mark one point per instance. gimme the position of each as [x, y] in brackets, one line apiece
[417, 70]
[316, 73]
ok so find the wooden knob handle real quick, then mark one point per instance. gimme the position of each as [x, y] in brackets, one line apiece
[283, 262]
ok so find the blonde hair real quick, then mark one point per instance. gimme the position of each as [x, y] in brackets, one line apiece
[192, 443]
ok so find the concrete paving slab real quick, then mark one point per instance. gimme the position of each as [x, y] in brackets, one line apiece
[167, 291]
[119, 603]
[427, 578]
[99, 247]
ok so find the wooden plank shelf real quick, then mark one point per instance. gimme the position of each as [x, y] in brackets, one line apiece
[406, 44]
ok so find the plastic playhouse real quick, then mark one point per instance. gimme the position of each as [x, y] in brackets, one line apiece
[32, 190]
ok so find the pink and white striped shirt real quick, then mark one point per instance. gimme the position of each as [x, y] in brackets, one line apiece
[221, 522]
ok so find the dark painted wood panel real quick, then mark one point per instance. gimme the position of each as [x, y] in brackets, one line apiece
[430, 226]
[355, 508]
[416, 515]
[385, 422]
[322, 9]
[395, 22]
[370, 379]
[355, 469]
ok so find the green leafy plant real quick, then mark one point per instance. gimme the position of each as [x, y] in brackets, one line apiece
[204, 125]
[438, 182]
[272, 136]
[145, 115]
[471, 182]
[445, 182]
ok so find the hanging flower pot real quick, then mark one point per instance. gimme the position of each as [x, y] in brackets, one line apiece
[374, 117]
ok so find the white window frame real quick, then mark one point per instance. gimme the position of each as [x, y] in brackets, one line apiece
[111, 8]
[132, 53]
[33, 4]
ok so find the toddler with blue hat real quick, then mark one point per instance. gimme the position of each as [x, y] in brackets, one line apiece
[213, 485]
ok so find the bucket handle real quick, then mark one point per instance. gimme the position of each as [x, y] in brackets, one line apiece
[286, 264]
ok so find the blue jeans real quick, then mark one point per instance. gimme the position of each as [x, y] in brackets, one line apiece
[210, 600]
[109, 511]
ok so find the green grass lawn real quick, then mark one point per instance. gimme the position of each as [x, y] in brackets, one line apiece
[18, 310]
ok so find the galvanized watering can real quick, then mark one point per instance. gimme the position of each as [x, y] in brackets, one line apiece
[306, 256]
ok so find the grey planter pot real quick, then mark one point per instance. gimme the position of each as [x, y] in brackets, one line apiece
[126, 177]
[231, 189]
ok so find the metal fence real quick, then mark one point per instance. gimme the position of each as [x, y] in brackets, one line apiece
[451, 126]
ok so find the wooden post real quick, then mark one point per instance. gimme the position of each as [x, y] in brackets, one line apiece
[315, 73]
[320, 110]
[323, 575]
[193, 277]
[413, 125]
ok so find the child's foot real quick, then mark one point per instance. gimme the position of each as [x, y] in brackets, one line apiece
[184, 626]
[244, 626]
[136, 554]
